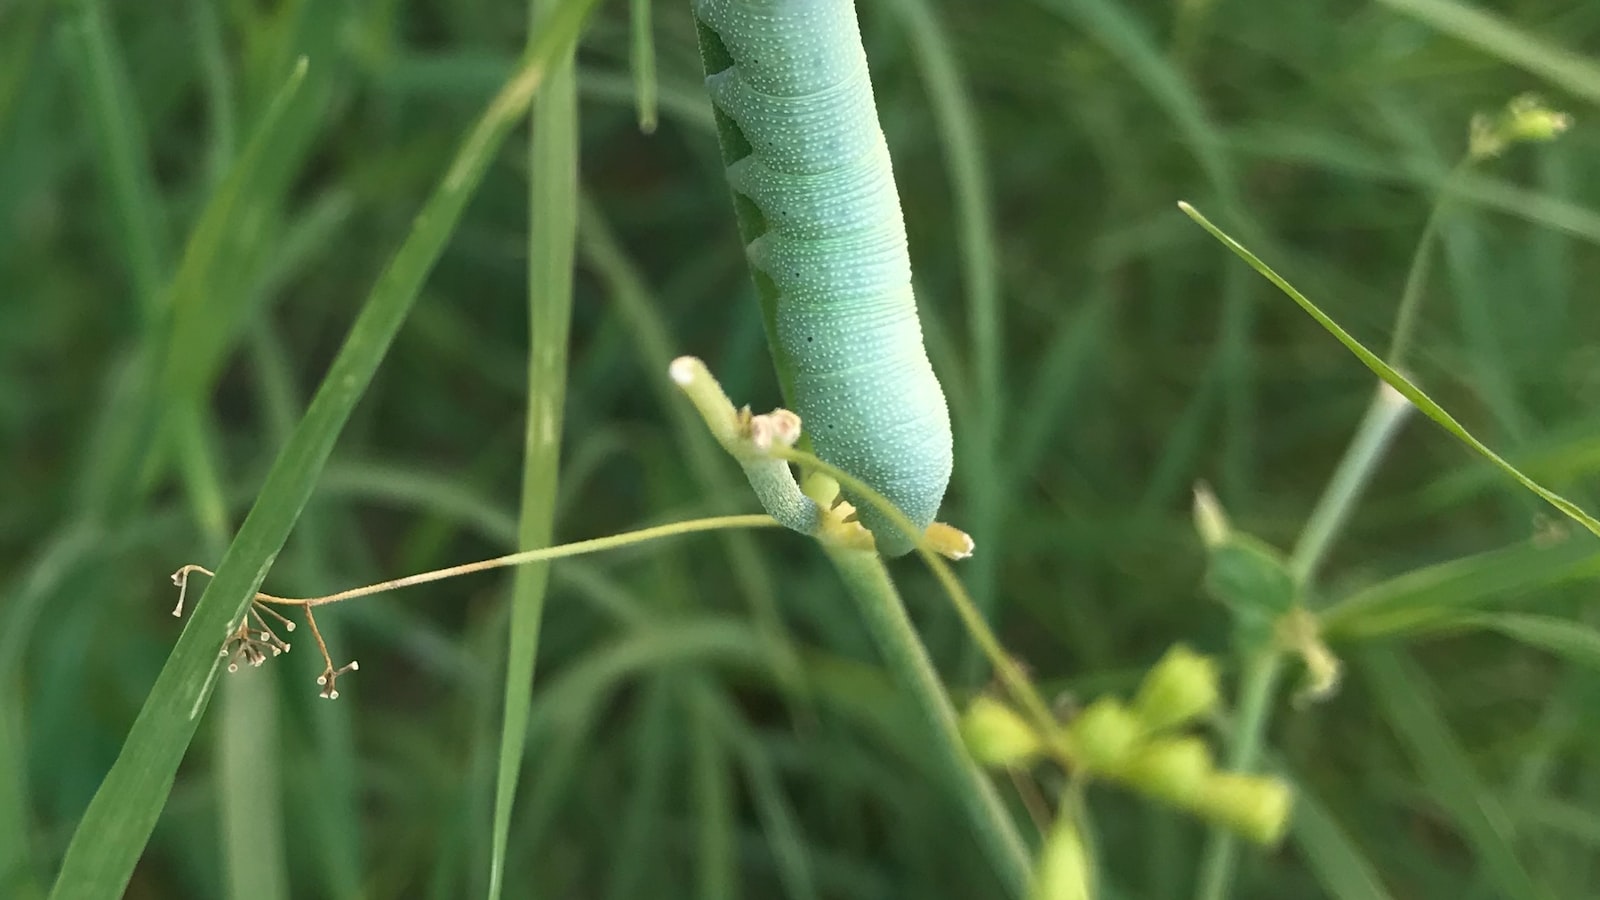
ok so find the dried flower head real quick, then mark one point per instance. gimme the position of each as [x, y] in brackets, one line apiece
[329, 679]
[255, 638]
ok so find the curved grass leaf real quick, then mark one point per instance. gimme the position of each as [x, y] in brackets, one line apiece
[717, 872]
[1500, 38]
[1563, 637]
[655, 749]
[1396, 380]
[109, 840]
[124, 152]
[1402, 689]
[1340, 866]
[777, 815]
[1424, 597]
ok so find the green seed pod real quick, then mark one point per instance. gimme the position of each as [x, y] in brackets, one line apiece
[1255, 806]
[1183, 687]
[996, 736]
[1105, 735]
[1529, 119]
[1063, 867]
[1176, 770]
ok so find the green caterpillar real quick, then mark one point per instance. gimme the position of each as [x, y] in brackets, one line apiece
[835, 248]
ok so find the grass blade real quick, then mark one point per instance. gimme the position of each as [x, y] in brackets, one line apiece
[330, 820]
[251, 786]
[784, 837]
[247, 770]
[1396, 380]
[1561, 637]
[22, 26]
[18, 876]
[125, 155]
[1228, 380]
[1331, 853]
[717, 875]
[637, 850]
[114, 830]
[1497, 37]
[959, 135]
[1401, 689]
[655, 348]
[1427, 596]
[169, 368]
[642, 59]
[552, 239]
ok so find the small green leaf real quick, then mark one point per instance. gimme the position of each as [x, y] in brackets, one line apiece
[1252, 579]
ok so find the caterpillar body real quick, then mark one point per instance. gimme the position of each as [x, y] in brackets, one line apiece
[834, 247]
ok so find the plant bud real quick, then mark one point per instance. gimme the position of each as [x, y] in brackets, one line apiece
[1105, 735]
[1257, 807]
[1182, 687]
[1524, 120]
[1209, 519]
[996, 736]
[1528, 119]
[1063, 867]
[1176, 770]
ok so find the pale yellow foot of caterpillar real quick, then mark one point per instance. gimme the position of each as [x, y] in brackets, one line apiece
[950, 541]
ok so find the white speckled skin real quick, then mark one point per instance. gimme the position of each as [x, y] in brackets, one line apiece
[835, 247]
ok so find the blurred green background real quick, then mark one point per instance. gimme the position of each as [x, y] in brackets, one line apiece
[1102, 354]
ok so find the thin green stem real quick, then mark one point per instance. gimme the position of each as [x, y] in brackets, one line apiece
[1255, 710]
[1405, 320]
[1328, 518]
[1007, 669]
[885, 616]
[1075, 806]
[539, 555]
[1378, 427]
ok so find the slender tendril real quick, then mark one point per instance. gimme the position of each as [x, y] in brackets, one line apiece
[560, 551]
[253, 646]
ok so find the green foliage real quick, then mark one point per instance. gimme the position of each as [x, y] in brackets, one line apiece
[1252, 580]
[184, 246]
